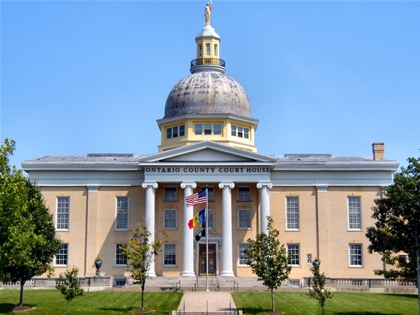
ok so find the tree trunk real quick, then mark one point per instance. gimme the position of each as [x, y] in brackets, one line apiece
[68, 307]
[273, 306]
[22, 284]
[142, 295]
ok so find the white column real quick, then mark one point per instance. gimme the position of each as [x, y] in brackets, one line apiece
[227, 249]
[149, 218]
[264, 189]
[188, 250]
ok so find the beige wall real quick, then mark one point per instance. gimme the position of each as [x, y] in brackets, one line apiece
[97, 226]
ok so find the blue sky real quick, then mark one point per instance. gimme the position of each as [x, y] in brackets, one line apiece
[82, 77]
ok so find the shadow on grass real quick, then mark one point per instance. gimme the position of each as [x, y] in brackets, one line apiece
[6, 308]
[254, 310]
[364, 313]
[125, 309]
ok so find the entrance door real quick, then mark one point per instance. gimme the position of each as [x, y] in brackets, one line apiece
[212, 259]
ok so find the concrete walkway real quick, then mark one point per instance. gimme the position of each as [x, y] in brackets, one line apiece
[203, 302]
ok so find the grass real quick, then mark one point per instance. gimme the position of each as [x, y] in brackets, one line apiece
[51, 302]
[299, 303]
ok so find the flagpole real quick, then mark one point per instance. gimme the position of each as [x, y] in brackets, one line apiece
[207, 239]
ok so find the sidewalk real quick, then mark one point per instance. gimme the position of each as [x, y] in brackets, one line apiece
[203, 302]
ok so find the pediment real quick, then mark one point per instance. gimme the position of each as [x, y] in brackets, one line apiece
[207, 152]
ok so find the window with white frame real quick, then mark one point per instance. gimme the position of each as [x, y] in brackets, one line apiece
[292, 213]
[170, 219]
[294, 251]
[355, 254]
[355, 213]
[244, 194]
[208, 129]
[239, 131]
[170, 194]
[244, 219]
[121, 221]
[175, 131]
[210, 223]
[63, 213]
[243, 259]
[169, 255]
[61, 259]
[210, 193]
[120, 258]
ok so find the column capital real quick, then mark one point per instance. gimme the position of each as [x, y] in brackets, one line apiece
[92, 188]
[186, 184]
[147, 184]
[260, 185]
[322, 188]
[231, 185]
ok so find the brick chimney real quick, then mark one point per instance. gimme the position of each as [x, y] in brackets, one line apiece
[378, 150]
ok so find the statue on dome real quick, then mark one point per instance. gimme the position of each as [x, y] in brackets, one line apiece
[207, 12]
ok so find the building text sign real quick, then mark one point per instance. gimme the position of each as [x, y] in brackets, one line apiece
[207, 170]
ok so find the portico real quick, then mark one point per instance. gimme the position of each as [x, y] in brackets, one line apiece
[229, 167]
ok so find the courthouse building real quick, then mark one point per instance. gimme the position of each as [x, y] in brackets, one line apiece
[320, 203]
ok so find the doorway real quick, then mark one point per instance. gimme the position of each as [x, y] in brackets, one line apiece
[212, 259]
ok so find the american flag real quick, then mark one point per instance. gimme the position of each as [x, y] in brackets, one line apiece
[196, 199]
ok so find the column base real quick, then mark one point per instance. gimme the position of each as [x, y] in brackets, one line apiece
[188, 274]
[227, 274]
[151, 274]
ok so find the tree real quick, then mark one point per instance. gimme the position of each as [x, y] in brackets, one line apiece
[27, 235]
[268, 259]
[140, 253]
[69, 286]
[397, 224]
[318, 290]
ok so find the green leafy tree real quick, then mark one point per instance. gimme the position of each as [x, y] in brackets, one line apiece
[140, 253]
[397, 224]
[27, 235]
[69, 286]
[318, 290]
[268, 259]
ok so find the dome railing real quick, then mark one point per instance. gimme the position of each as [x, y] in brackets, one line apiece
[207, 61]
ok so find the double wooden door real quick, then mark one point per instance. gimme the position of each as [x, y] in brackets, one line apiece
[212, 259]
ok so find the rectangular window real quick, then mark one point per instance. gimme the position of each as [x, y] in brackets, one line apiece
[208, 49]
[170, 219]
[198, 129]
[170, 194]
[121, 222]
[207, 129]
[217, 129]
[169, 255]
[168, 133]
[240, 132]
[355, 253]
[210, 193]
[292, 213]
[61, 259]
[244, 194]
[243, 259]
[215, 49]
[246, 133]
[293, 250]
[63, 213]
[244, 219]
[210, 222]
[355, 220]
[120, 258]
[182, 130]
[175, 131]
[233, 130]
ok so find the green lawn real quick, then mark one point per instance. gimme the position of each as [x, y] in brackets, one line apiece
[299, 303]
[51, 302]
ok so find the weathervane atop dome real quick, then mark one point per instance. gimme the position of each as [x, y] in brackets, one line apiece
[207, 12]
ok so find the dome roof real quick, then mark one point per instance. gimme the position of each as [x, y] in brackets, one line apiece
[207, 93]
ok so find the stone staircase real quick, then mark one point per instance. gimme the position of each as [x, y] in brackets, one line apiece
[214, 284]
